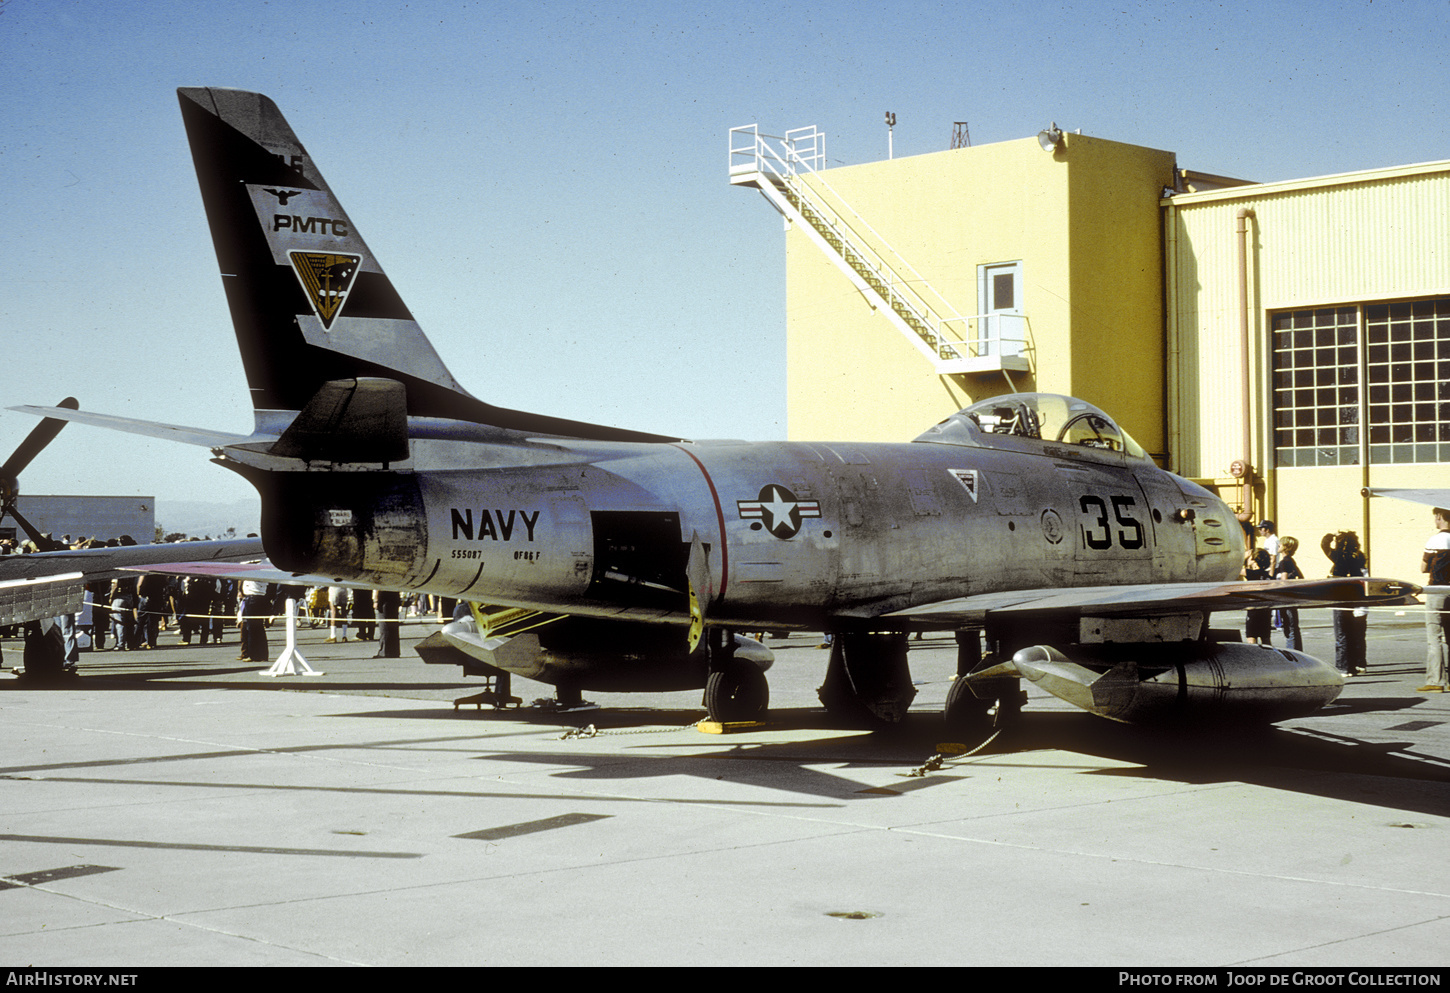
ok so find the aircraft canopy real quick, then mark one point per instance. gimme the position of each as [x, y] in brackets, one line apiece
[1048, 417]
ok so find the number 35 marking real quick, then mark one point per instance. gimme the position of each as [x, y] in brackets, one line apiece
[1100, 534]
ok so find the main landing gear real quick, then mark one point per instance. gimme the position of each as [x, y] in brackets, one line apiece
[867, 684]
[867, 680]
[976, 709]
[975, 717]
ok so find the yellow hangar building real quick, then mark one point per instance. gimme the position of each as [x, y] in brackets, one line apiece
[1285, 344]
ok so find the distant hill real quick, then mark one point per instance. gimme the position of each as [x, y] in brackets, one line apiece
[199, 519]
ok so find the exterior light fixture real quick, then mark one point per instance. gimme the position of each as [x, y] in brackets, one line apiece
[1050, 139]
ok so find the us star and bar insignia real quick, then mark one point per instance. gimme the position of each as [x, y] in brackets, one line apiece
[779, 510]
[326, 278]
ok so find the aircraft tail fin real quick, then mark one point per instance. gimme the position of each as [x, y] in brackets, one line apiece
[310, 303]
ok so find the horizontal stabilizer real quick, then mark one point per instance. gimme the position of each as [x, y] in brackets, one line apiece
[151, 429]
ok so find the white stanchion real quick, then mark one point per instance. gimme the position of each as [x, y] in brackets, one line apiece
[291, 662]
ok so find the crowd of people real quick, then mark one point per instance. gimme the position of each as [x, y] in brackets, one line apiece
[1271, 557]
[131, 613]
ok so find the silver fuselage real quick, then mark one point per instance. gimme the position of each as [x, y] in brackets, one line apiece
[789, 533]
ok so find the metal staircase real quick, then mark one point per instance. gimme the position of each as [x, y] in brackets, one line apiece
[786, 171]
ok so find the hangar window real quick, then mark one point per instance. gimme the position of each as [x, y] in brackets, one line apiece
[1409, 381]
[1381, 368]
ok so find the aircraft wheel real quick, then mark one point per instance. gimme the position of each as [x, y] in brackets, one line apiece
[738, 692]
[974, 717]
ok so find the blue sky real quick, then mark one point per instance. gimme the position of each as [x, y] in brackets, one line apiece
[546, 182]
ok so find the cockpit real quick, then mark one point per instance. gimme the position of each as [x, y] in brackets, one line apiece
[1045, 417]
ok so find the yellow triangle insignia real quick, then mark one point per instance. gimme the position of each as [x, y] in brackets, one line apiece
[326, 278]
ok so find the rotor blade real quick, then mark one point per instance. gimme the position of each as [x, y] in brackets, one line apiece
[30, 529]
[43, 434]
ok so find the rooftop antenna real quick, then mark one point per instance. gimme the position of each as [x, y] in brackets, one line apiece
[960, 137]
[890, 125]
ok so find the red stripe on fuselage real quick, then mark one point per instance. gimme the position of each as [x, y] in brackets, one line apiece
[719, 517]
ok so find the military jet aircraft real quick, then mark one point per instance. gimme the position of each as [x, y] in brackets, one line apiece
[604, 557]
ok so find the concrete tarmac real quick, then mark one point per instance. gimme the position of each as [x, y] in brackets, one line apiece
[175, 807]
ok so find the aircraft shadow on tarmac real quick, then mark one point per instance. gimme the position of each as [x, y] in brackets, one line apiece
[1298, 759]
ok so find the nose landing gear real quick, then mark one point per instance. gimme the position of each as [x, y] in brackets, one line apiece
[736, 691]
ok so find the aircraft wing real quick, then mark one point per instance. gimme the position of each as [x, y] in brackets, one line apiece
[1431, 498]
[47, 584]
[1160, 600]
[259, 571]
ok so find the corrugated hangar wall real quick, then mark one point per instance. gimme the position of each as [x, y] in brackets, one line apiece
[1348, 304]
[1347, 284]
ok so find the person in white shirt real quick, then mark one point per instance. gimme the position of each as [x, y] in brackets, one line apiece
[1435, 563]
[1269, 542]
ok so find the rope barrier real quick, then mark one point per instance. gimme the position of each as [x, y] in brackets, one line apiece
[354, 621]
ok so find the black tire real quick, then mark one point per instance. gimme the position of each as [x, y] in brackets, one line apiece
[737, 692]
[975, 718]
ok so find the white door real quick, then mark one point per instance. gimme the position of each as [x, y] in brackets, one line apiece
[999, 301]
